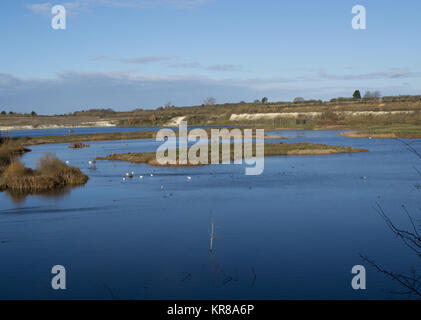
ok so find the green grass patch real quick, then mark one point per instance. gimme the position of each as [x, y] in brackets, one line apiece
[271, 149]
[75, 138]
[409, 131]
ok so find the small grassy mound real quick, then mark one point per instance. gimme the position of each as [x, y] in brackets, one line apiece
[79, 145]
[50, 173]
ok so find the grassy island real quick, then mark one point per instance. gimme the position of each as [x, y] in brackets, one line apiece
[408, 131]
[78, 145]
[51, 173]
[80, 138]
[271, 149]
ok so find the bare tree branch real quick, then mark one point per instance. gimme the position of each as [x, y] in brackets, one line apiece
[412, 282]
[410, 148]
[412, 240]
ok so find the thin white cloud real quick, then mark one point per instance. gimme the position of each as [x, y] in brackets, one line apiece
[147, 3]
[390, 74]
[186, 65]
[98, 58]
[134, 60]
[142, 60]
[40, 8]
[214, 67]
[180, 65]
[78, 6]
[72, 7]
[223, 67]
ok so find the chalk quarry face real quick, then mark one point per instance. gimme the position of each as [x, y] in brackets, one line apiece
[296, 115]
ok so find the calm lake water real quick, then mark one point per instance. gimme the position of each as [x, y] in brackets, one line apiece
[293, 232]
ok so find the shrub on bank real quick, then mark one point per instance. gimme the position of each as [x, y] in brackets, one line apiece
[79, 145]
[9, 149]
[50, 173]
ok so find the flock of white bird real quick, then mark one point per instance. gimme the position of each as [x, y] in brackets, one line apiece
[128, 175]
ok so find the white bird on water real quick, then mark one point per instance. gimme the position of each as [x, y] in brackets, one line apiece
[188, 178]
[67, 162]
[92, 165]
[129, 175]
[140, 177]
[151, 174]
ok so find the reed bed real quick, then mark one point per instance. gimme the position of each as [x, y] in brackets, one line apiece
[271, 149]
[9, 150]
[79, 145]
[50, 173]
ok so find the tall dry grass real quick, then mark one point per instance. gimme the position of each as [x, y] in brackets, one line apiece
[50, 173]
[9, 150]
[51, 166]
[78, 145]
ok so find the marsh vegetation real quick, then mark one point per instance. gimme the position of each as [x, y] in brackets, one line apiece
[79, 145]
[271, 149]
[80, 138]
[9, 150]
[50, 173]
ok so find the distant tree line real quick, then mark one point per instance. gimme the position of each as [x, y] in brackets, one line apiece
[95, 112]
[356, 96]
[33, 113]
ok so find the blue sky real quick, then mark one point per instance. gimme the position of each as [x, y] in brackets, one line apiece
[143, 53]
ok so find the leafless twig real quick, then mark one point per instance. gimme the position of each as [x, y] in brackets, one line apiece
[411, 239]
[410, 282]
